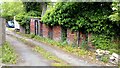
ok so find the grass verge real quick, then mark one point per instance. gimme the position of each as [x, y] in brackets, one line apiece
[8, 54]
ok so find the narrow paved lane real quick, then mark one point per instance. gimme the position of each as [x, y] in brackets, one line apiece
[73, 60]
[29, 58]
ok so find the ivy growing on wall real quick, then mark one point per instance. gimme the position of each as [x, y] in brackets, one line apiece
[88, 17]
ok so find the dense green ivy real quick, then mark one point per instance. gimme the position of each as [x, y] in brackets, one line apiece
[87, 17]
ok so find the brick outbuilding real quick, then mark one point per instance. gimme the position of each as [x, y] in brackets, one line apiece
[35, 26]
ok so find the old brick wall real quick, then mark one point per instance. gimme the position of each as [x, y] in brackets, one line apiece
[45, 30]
[57, 33]
[81, 39]
[71, 37]
[77, 38]
[89, 41]
[32, 26]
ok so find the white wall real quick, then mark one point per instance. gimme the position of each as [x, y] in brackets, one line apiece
[17, 25]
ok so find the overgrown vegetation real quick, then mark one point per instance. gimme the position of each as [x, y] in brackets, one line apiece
[90, 17]
[106, 43]
[105, 59]
[11, 9]
[22, 11]
[32, 9]
[22, 18]
[102, 19]
[80, 16]
[8, 54]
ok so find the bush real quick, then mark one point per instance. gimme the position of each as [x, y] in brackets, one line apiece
[22, 18]
[105, 43]
[105, 59]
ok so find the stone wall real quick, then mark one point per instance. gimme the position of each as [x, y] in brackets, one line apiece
[2, 31]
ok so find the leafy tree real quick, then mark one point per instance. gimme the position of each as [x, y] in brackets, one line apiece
[32, 9]
[115, 17]
[10, 9]
[23, 17]
[32, 6]
[116, 14]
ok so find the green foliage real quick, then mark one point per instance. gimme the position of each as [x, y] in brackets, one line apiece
[32, 6]
[8, 54]
[105, 59]
[101, 42]
[84, 44]
[22, 10]
[116, 14]
[10, 9]
[22, 18]
[90, 17]
[82, 16]
[104, 42]
[79, 16]
[57, 15]
[32, 36]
